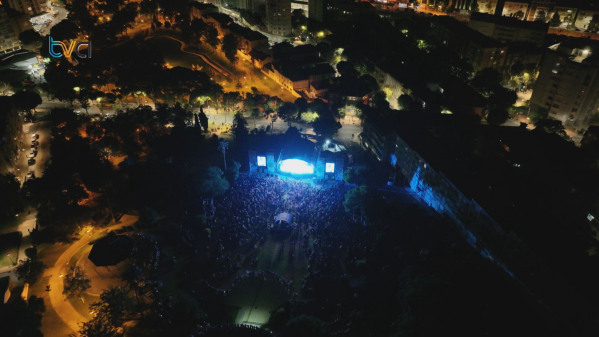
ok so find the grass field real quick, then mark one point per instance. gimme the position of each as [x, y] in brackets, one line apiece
[9, 244]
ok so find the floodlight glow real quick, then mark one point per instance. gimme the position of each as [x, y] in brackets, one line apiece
[296, 166]
[261, 161]
[329, 168]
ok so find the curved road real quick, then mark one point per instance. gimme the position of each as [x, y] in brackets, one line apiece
[63, 307]
[201, 55]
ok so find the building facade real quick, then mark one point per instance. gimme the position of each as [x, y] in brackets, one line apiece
[9, 36]
[568, 84]
[316, 9]
[278, 17]
[30, 7]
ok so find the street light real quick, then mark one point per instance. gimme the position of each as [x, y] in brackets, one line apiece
[10, 258]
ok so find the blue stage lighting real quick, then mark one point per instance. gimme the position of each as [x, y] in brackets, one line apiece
[296, 166]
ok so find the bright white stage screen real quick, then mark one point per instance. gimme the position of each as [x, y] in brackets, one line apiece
[329, 168]
[261, 161]
[296, 166]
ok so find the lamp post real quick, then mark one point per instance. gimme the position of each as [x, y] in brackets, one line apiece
[10, 258]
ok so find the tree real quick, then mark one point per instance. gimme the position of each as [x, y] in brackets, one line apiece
[64, 30]
[593, 26]
[353, 176]
[239, 126]
[99, 326]
[519, 15]
[231, 99]
[301, 104]
[203, 119]
[379, 99]
[233, 171]
[17, 318]
[540, 16]
[406, 102]
[114, 303]
[229, 47]
[76, 282]
[30, 36]
[255, 113]
[357, 199]
[486, 81]
[30, 270]
[497, 116]
[26, 100]
[288, 110]
[517, 69]
[212, 183]
[503, 98]
[309, 116]
[211, 37]
[555, 20]
[474, 6]
[12, 202]
[326, 126]
[147, 216]
[307, 326]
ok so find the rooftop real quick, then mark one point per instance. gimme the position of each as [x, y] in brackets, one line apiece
[512, 22]
[460, 29]
[246, 33]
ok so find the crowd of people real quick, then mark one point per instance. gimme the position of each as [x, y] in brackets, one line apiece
[242, 220]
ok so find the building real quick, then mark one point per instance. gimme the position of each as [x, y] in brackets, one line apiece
[516, 8]
[260, 59]
[220, 22]
[480, 50]
[9, 36]
[30, 7]
[568, 84]
[316, 9]
[278, 17]
[11, 130]
[248, 39]
[300, 4]
[298, 68]
[487, 6]
[506, 29]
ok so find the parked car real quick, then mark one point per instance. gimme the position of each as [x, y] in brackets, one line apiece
[30, 161]
[34, 136]
[32, 154]
[30, 175]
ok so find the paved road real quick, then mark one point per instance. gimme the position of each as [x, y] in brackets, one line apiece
[61, 305]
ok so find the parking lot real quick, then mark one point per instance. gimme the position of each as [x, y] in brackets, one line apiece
[33, 158]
